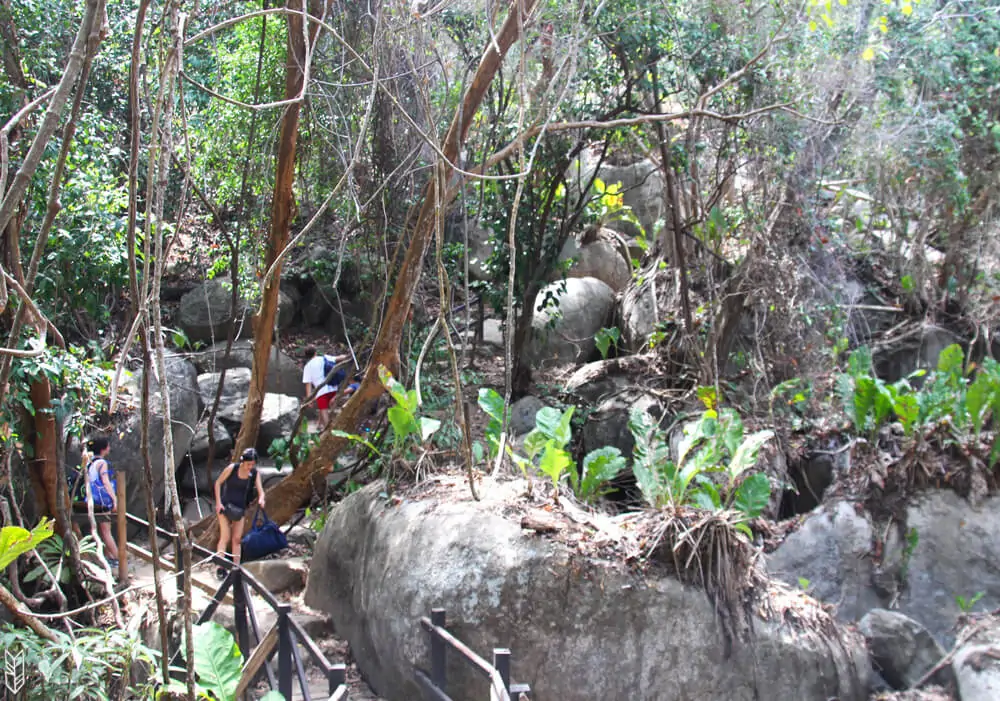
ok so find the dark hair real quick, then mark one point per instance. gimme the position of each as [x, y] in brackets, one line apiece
[97, 445]
[249, 455]
[309, 352]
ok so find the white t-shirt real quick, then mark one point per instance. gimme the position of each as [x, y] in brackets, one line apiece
[314, 375]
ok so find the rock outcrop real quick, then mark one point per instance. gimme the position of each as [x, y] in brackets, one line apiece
[284, 374]
[204, 313]
[563, 332]
[573, 624]
[953, 551]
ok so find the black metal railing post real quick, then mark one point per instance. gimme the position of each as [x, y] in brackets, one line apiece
[285, 643]
[501, 662]
[439, 649]
[240, 612]
[336, 676]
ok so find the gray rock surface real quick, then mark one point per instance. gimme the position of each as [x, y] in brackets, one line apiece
[642, 188]
[235, 388]
[601, 259]
[607, 425]
[899, 359]
[564, 333]
[199, 444]
[197, 509]
[522, 414]
[204, 313]
[125, 434]
[957, 553]
[638, 312]
[902, 649]
[976, 664]
[279, 576]
[570, 622]
[284, 373]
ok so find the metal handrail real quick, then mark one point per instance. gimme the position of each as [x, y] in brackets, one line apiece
[290, 631]
[497, 673]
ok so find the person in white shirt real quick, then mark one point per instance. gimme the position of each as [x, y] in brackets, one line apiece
[313, 376]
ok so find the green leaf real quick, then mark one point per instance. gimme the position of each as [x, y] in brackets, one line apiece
[555, 461]
[403, 424]
[534, 442]
[753, 495]
[707, 497]
[907, 410]
[731, 432]
[951, 361]
[599, 467]
[554, 424]
[428, 427]
[273, 695]
[353, 437]
[217, 660]
[650, 456]
[15, 541]
[746, 455]
[695, 432]
[491, 402]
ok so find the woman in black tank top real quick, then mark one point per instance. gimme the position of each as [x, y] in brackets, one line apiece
[232, 491]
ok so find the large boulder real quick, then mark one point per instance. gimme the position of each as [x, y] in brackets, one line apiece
[284, 374]
[952, 550]
[199, 444]
[563, 332]
[902, 649]
[204, 312]
[125, 432]
[277, 417]
[381, 564]
[601, 258]
[522, 414]
[641, 183]
[643, 305]
[920, 351]
[235, 388]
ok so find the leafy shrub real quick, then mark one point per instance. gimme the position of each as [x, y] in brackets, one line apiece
[95, 666]
[408, 427]
[948, 398]
[606, 339]
[713, 444]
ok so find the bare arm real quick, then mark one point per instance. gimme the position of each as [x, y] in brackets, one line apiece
[260, 490]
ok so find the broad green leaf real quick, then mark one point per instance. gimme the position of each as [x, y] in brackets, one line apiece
[731, 429]
[694, 433]
[491, 402]
[599, 467]
[15, 541]
[395, 389]
[555, 424]
[402, 422]
[753, 495]
[907, 411]
[477, 451]
[746, 455]
[649, 453]
[534, 442]
[428, 427]
[951, 361]
[555, 461]
[744, 529]
[706, 497]
[217, 660]
[273, 695]
[354, 438]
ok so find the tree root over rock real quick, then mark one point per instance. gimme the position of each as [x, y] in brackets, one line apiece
[705, 550]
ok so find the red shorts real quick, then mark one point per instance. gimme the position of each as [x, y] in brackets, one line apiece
[323, 400]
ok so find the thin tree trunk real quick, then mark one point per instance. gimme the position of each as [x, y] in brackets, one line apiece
[296, 489]
[282, 212]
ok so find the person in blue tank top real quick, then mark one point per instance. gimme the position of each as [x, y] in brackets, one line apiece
[232, 494]
[103, 491]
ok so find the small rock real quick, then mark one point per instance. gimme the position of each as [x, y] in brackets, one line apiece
[279, 576]
[522, 414]
[901, 648]
[541, 522]
[302, 535]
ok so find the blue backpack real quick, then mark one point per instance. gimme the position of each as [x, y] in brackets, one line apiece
[328, 366]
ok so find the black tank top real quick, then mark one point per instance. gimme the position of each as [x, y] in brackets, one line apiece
[237, 489]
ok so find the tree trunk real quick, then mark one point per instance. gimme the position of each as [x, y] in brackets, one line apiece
[282, 212]
[45, 472]
[296, 489]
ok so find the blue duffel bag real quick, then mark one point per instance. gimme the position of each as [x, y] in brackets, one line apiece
[263, 539]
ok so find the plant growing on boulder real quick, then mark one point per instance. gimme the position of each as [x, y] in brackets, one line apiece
[606, 339]
[713, 444]
[407, 425]
[547, 442]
